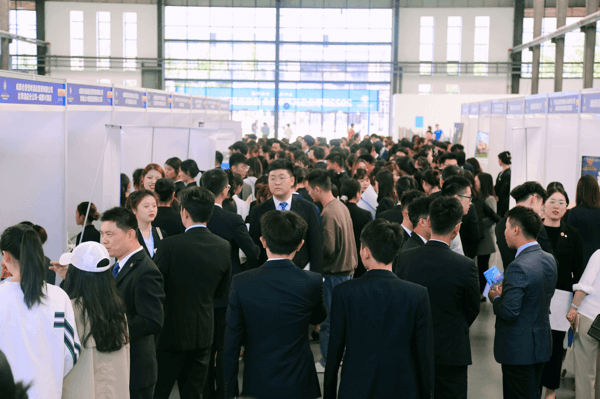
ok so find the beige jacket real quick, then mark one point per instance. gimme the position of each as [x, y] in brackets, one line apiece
[97, 375]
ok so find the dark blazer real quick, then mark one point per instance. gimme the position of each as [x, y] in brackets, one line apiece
[587, 222]
[360, 218]
[196, 267]
[320, 165]
[90, 233]
[141, 286]
[523, 334]
[169, 221]
[273, 306]
[304, 194]
[157, 239]
[469, 233]
[384, 205]
[508, 254]
[231, 227]
[413, 242]
[385, 325]
[569, 257]
[391, 215]
[469, 167]
[192, 184]
[502, 189]
[311, 251]
[452, 283]
[179, 185]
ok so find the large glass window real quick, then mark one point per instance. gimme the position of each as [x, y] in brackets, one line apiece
[454, 39]
[334, 66]
[482, 45]
[76, 40]
[22, 23]
[103, 39]
[129, 40]
[426, 44]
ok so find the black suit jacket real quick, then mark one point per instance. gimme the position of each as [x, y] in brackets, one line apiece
[169, 221]
[231, 227]
[385, 204]
[196, 267]
[452, 283]
[90, 233]
[320, 165]
[179, 185]
[311, 251]
[157, 240]
[569, 257]
[392, 215]
[141, 286]
[386, 328]
[469, 233]
[360, 218]
[508, 254]
[413, 242]
[273, 306]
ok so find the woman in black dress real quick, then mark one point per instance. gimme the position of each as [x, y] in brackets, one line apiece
[167, 218]
[502, 187]
[384, 185]
[188, 170]
[90, 233]
[350, 195]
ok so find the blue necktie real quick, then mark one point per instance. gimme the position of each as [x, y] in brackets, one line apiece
[283, 205]
[116, 269]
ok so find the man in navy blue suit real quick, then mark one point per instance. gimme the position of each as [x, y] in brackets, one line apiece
[272, 307]
[384, 324]
[523, 341]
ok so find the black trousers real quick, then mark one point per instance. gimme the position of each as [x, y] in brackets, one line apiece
[522, 382]
[450, 382]
[141, 393]
[215, 381]
[552, 368]
[188, 368]
[482, 264]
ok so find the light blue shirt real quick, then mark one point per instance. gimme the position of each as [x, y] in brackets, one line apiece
[149, 243]
[522, 247]
[194, 226]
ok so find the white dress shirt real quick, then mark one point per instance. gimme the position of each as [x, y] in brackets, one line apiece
[288, 201]
[123, 261]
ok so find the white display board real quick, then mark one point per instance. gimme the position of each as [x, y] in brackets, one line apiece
[170, 142]
[136, 148]
[497, 136]
[203, 146]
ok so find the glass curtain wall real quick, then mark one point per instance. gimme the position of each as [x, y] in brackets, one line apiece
[334, 67]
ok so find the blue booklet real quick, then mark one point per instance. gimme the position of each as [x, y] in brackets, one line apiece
[493, 276]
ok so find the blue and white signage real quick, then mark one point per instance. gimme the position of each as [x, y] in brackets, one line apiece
[565, 103]
[198, 103]
[129, 98]
[590, 103]
[212, 104]
[536, 104]
[225, 105]
[17, 91]
[89, 95]
[515, 107]
[181, 102]
[485, 108]
[498, 108]
[473, 109]
[465, 109]
[158, 100]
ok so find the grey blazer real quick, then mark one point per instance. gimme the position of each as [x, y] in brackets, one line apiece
[523, 334]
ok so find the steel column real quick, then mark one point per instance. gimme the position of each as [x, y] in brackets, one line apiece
[559, 59]
[591, 7]
[517, 40]
[4, 52]
[276, 108]
[538, 16]
[160, 50]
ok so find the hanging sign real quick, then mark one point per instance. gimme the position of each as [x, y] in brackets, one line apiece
[465, 109]
[158, 100]
[485, 108]
[129, 98]
[515, 107]
[499, 108]
[590, 103]
[474, 109]
[564, 104]
[536, 105]
[89, 95]
[181, 102]
[224, 105]
[17, 91]
[213, 104]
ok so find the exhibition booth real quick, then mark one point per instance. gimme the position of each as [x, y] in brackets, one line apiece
[64, 143]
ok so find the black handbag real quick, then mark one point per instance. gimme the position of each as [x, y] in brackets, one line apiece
[595, 329]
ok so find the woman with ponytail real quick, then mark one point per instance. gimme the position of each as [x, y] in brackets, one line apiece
[37, 323]
[350, 195]
[502, 187]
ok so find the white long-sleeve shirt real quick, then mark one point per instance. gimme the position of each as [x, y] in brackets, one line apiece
[590, 284]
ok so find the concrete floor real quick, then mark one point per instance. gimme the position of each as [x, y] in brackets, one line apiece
[485, 375]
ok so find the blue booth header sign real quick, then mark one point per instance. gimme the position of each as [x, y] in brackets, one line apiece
[212, 104]
[590, 103]
[499, 108]
[17, 91]
[564, 104]
[129, 98]
[485, 108]
[158, 100]
[536, 105]
[181, 102]
[89, 95]
[474, 109]
[515, 107]
[464, 109]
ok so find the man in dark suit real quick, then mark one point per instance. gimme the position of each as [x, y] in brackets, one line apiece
[384, 324]
[418, 213]
[400, 213]
[317, 156]
[141, 286]
[396, 214]
[230, 227]
[196, 267]
[335, 162]
[273, 306]
[460, 188]
[523, 341]
[281, 181]
[531, 195]
[453, 286]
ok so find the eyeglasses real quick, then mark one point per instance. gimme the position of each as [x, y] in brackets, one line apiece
[557, 202]
[278, 178]
[464, 196]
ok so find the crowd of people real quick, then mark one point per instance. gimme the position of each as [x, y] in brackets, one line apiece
[375, 248]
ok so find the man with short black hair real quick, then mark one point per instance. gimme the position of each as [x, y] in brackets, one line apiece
[238, 147]
[317, 155]
[339, 246]
[196, 267]
[218, 159]
[276, 146]
[238, 163]
[271, 307]
[418, 213]
[523, 340]
[383, 315]
[448, 159]
[452, 283]
[335, 162]
[531, 195]
[405, 201]
[460, 188]
[396, 214]
[140, 284]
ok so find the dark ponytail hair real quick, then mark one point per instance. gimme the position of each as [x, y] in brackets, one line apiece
[505, 157]
[23, 243]
[164, 188]
[93, 215]
[350, 189]
[99, 299]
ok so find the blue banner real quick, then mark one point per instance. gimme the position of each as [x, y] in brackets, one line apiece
[129, 98]
[536, 104]
[181, 102]
[89, 95]
[590, 103]
[515, 107]
[564, 104]
[499, 108]
[485, 108]
[17, 91]
[465, 109]
[158, 100]
[473, 109]
[225, 105]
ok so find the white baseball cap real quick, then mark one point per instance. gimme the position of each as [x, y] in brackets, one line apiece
[88, 256]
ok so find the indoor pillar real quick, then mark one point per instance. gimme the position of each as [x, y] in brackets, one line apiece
[561, 20]
[538, 16]
[517, 40]
[591, 6]
[4, 53]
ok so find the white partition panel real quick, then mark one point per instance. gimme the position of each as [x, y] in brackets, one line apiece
[203, 145]
[470, 131]
[516, 142]
[158, 117]
[484, 125]
[536, 108]
[32, 159]
[466, 121]
[181, 118]
[497, 136]
[170, 142]
[136, 148]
